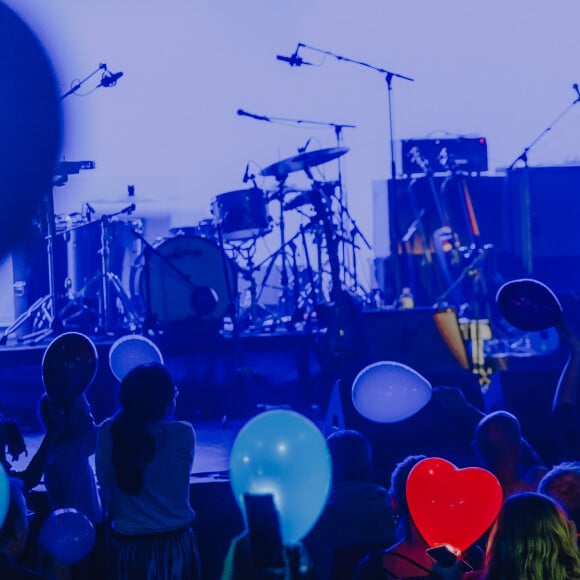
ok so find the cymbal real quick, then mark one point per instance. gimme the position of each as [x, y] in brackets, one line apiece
[303, 161]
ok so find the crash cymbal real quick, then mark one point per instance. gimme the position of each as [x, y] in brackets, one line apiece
[303, 161]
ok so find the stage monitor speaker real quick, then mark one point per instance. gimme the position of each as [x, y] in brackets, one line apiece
[410, 337]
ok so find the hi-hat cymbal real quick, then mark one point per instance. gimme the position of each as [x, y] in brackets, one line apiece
[303, 161]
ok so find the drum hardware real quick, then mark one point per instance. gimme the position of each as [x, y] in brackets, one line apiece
[248, 317]
[205, 228]
[44, 312]
[302, 162]
[110, 293]
[180, 279]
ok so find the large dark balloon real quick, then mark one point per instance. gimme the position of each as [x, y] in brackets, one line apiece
[30, 126]
[69, 366]
[529, 305]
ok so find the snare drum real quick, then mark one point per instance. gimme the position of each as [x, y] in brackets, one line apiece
[173, 269]
[241, 214]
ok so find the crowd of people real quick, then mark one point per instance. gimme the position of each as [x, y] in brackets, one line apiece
[138, 496]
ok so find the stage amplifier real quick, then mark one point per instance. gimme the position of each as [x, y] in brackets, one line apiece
[467, 154]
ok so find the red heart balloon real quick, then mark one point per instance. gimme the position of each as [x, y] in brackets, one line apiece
[450, 506]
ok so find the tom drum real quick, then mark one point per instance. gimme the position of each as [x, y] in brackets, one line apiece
[241, 214]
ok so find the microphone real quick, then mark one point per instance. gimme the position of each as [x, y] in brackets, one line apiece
[243, 113]
[249, 176]
[90, 210]
[293, 60]
[110, 80]
[577, 89]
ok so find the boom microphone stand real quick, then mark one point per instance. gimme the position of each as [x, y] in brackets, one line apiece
[526, 193]
[295, 60]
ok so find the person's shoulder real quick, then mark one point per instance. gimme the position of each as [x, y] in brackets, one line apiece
[182, 429]
[106, 424]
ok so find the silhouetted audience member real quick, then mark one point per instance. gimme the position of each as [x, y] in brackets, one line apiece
[531, 540]
[14, 535]
[358, 515]
[143, 461]
[407, 558]
[498, 440]
[562, 483]
[292, 562]
[68, 475]
[565, 408]
[11, 443]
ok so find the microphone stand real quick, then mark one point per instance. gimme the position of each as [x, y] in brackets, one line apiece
[526, 185]
[523, 156]
[80, 83]
[389, 76]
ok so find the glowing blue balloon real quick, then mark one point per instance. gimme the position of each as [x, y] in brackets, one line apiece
[4, 494]
[131, 351]
[387, 392]
[68, 535]
[284, 454]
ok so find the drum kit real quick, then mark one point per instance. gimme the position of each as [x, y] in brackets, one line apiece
[108, 279]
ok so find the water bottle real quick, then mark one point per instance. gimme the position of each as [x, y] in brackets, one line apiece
[406, 299]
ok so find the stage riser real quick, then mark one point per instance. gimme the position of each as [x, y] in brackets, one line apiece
[219, 377]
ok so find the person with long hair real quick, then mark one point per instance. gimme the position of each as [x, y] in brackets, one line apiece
[143, 462]
[532, 539]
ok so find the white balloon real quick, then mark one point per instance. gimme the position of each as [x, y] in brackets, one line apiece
[131, 351]
[387, 392]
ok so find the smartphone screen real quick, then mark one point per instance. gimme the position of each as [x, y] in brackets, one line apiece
[264, 530]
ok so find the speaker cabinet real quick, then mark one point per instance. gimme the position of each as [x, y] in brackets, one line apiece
[545, 204]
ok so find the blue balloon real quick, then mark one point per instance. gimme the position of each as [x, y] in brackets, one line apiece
[68, 535]
[4, 494]
[284, 454]
[387, 392]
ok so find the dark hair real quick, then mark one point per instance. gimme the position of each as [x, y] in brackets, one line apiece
[498, 435]
[352, 456]
[146, 392]
[398, 491]
[562, 483]
[531, 539]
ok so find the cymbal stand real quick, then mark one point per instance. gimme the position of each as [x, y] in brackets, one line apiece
[285, 308]
[314, 291]
[247, 253]
[348, 236]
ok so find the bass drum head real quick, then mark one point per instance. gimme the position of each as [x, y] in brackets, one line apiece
[175, 270]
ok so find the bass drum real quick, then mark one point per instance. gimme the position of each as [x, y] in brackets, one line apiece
[172, 270]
